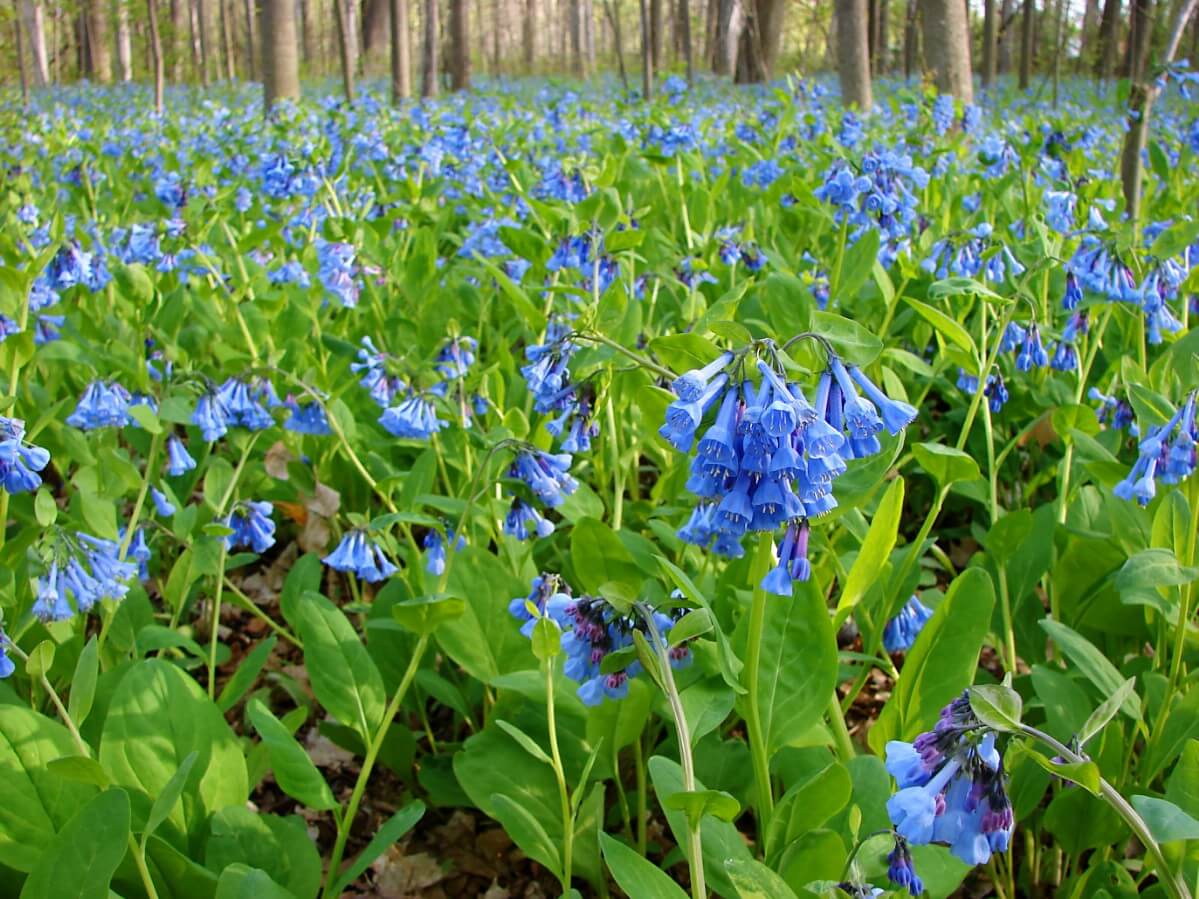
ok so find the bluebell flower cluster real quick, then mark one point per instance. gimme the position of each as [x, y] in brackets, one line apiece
[372, 366]
[585, 255]
[1114, 411]
[307, 417]
[770, 456]
[7, 667]
[900, 633]
[414, 418]
[901, 871]
[252, 526]
[1165, 454]
[882, 196]
[103, 405]
[434, 545]
[236, 403]
[973, 255]
[359, 555]
[1032, 350]
[732, 249]
[546, 474]
[82, 570]
[952, 787]
[524, 522]
[179, 461]
[592, 629]
[338, 271]
[995, 389]
[20, 462]
[1065, 355]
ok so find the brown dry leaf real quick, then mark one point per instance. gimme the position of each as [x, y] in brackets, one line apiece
[277, 459]
[495, 891]
[320, 507]
[401, 876]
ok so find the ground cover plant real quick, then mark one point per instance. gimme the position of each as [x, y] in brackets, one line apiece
[538, 491]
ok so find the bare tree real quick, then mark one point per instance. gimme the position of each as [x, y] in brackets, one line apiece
[226, 25]
[179, 17]
[429, 60]
[343, 47]
[124, 41]
[251, 57]
[529, 33]
[16, 27]
[35, 28]
[204, 25]
[1027, 43]
[947, 47]
[1090, 18]
[376, 27]
[853, 53]
[1109, 39]
[990, 27]
[401, 53]
[647, 51]
[613, 13]
[1140, 37]
[1140, 106]
[685, 38]
[459, 45]
[307, 33]
[99, 58]
[280, 52]
[911, 37]
[656, 30]
[156, 55]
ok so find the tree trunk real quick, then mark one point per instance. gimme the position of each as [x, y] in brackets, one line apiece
[227, 39]
[204, 17]
[401, 53]
[497, 20]
[685, 38]
[613, 14]
[771, 22]
[529, 34]
[376, 27]
[656, 29]
[429, 67]
[576, 36]
[730, 22]
[1140, 106]
[35, 29]
[1140, 34]
[647, 51]
[883, 37]
[280, 52]
[1109, 31]
[20, 48]
[156, 55]
[459, 45]
[98, 55]
[1026, 43]
[1004, 51]
[947, 47]
[910, 38]
[989, 48]
[1090, 17]
[124, 41]
[343, 49]
[251, 56]
[711, 17]
[308, 36]
[178, 38]
[853, 53]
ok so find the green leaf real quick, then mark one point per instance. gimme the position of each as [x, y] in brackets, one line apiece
[857, 265]
[941, 663]
[425, 614]
[526, 742]
[527, 832]
[997, 706]
[294, 771]
[875, 551]
[1092, 663]
[83, 684]
[40, 659]
[81, 770]
[239, 881]
[245, 675]
[720, 839]
[1106, 711]
[45, 510]
[730, 665]
[170, 794]
[798, 664]
[698, 803]
[635, 875]
[944, 325]
[599, 558]
[547, 639]
[343, 675]
[946, 464]
[753, 880]
[1166, 821]
[683, 352]
[80, 861]
[694, 624]
[852, 341]
[145, 417]
[157, 717]
[1006, 535]
[1145, 572]
[280, 847]
[395, 827]
[37, 802]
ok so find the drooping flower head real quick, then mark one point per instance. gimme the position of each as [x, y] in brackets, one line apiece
[357, 554]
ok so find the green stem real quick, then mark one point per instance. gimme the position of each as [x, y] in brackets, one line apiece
[136, 514]
[841, 738]
[753, 660]
[568, 824]
[1171, 882]
[649, 364]
[1005, 600]
[695, 853]
[642, 796]
[368, 763]
[214, 638]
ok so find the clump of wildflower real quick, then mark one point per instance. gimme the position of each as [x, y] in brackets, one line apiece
[357, 554]
[952, 787]
[434, 545]
[1166, 454]
[901, 631]
[546, 474]
[524, 522]
[20, 462]
[81, 570]
[252, 526]
[901, 871]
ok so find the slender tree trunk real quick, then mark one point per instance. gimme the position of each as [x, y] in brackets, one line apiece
[343, 47]
[770, 24]
[1109, 31]
[308, 36]
[35, 28]
[656, 29]
[529, 34]
[1007, 15]
[1026, 43]
[883, 49]
[251, 56]
[496, 29]
[204, 16]
[156, 55]
[1140, 36]
[576, 36]
[711, 17]
[124, 41]
[730, 23]
[1140, 106]
[647, 51]
[99, 56]
[947, 47]
[178, 38]
[989, 48]
[401, 53]
[1059, 51]
[429, 67]
[853, 53]
[460, 45]
[227, 39]
[1086, 43]
[280, 52]
[376, 27]
[613, 14]
[910, 38]
[20, 48]
[685, 37]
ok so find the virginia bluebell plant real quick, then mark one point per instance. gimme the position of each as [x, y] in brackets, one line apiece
[357, 554]
[82, 567]
[1165, 454]
[20, 462]
[952, 787]
[900, 632]
[252, 526]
